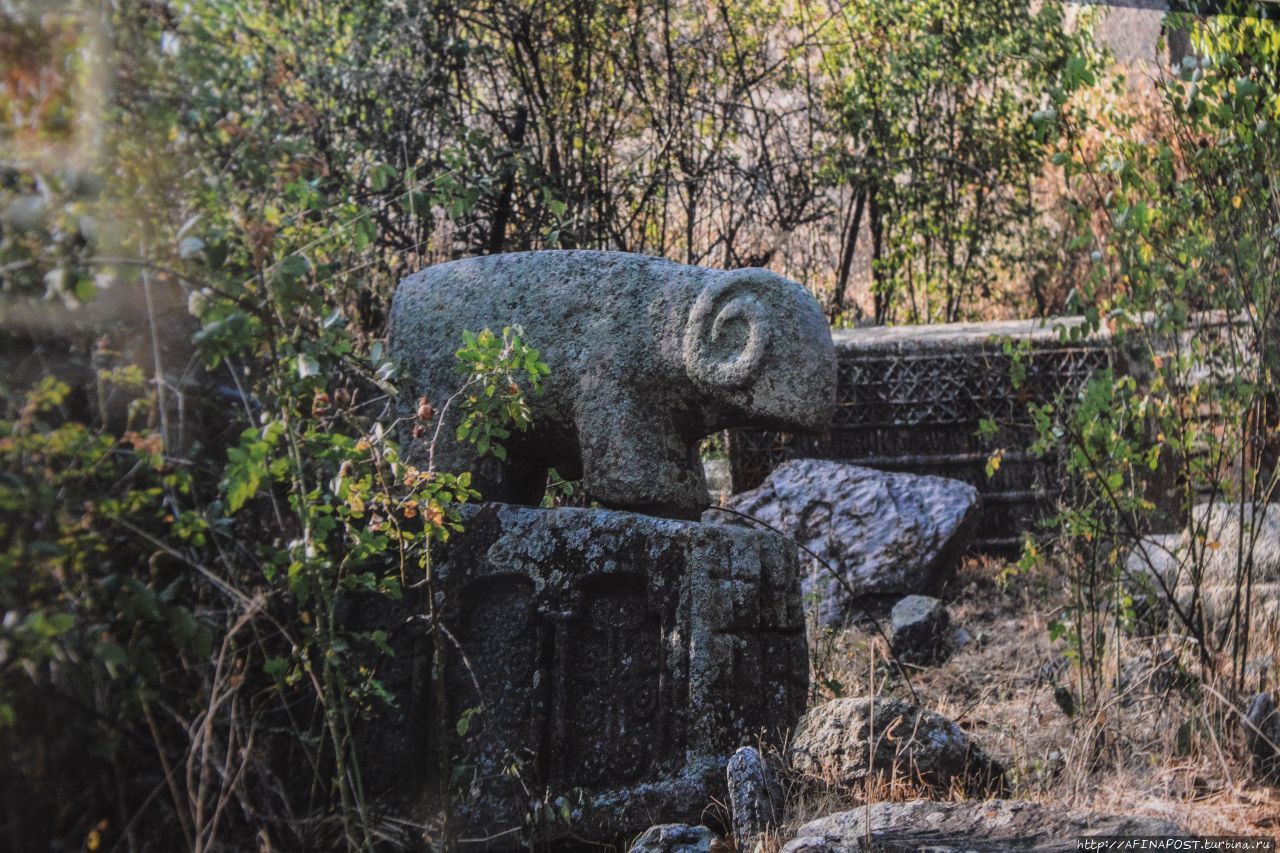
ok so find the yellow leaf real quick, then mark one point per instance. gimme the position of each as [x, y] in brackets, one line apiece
[93, 840]
[1235, 202]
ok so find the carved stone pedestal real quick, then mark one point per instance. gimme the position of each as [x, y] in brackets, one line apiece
[617, 660]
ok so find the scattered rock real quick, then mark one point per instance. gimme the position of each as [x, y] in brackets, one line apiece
[885, 534]
[1262, 734]
[992, 826]
[919, 628]
[676, 838]
[755, 796]
[832, 745]
[622, 655]
[646, 357]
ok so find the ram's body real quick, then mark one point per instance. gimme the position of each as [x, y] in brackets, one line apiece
[647, 357]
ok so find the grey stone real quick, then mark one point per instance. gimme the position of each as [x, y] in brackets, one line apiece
[1153, 557]
[919, 628]
[840, 743]
[647, 357]
[884, 534]
[1220, 542]
[622, 656]
[1150, 573]
[756, 797]
[1262, 736]
[991, 826]
[675, 838]
[719, 481]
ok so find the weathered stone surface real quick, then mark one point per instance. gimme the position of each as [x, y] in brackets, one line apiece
[993, 826]
[675, 838]
[839, 743]
[756, 797]
[1262, 735]
[1217, 539]
[1154, 558]
[920, 629]
[624, 655]
[647, 357]
[719, 485]
[908, 398]
[885, 534]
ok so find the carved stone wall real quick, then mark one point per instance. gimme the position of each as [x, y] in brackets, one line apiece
[910, 398]
[618, 654]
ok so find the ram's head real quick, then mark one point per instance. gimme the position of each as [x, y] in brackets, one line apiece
[759, 347]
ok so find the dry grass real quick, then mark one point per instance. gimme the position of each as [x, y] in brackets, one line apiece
[1159, 743]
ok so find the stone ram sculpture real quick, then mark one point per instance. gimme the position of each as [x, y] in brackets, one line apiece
[647, 358]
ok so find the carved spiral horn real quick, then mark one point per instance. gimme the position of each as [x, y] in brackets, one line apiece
[727, 332]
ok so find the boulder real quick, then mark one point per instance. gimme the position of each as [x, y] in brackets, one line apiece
[756, 798]
[992, 826]
[676, 838]
[883, 534]
[920, 629]
[616, 659]
[840, 743]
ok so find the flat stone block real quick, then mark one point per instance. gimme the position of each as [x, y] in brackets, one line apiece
[618, 659]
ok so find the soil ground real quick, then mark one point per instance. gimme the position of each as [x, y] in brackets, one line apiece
[1158, 744]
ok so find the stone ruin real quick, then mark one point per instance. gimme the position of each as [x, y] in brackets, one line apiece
[617, 659]
[911, 399]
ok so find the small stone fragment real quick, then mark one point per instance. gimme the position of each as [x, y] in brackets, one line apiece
[675, 838]
[755, 795]
[919, 626]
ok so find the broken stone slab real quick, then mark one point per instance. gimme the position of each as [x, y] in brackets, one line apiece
[756, 798]
[646, 356]
[884, 534]
[614, 659]
[920, 629]
[991, 826]
[840, 743]
[676, 838]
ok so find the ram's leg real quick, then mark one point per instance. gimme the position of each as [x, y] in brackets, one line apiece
[635, 459]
